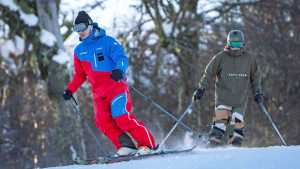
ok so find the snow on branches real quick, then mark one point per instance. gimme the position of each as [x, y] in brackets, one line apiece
[29, 19]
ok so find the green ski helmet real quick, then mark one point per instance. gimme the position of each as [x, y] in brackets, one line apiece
[236, 39]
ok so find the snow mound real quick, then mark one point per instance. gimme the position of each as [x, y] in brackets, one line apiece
[276, 157]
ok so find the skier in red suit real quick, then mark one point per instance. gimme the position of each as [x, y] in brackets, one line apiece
[102, 61]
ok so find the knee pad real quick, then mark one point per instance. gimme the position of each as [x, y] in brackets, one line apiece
[237, 120]
[223, 107]
[221, 119]
[216, 134]
[221, 124]
[218, 129]
[237, 136]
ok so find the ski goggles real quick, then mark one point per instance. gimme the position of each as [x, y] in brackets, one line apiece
[80, 27]
[235, 44]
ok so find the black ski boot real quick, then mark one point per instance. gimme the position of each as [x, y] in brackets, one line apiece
[128, 147]
[215, 137]
[237, 138]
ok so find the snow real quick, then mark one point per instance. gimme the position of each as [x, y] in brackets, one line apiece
[167, 27]
[62, 57]
[275, 157]
[30, 47]
[10, 4]
[20, 45]
[47, 38]
[72, 40]
[6, 48]
[64, 29]
[3, 34]
[153, 39]
[129, 76]
[206, 7]
[148, 26]
[15, 47]
[29, 19]
[188, 140]
[146, 82]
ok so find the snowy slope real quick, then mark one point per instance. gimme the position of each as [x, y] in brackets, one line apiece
[276, 157]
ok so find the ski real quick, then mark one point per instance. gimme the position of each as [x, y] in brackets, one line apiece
[112, 159]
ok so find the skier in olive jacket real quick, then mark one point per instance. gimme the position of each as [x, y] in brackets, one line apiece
[234, 71]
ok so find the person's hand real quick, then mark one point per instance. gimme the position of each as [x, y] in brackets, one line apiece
[198, 94]
[259, 98]
[67, 95]
[117, 75]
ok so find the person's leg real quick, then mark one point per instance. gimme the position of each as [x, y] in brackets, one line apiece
[237, 120]
[121, 106]
[108, 126]
[218, 129]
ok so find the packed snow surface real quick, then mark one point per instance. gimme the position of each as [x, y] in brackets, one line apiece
[276, 157]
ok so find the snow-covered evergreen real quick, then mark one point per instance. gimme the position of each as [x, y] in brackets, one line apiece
[29, 19]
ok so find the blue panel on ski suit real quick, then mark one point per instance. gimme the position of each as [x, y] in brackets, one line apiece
[118, 105]
[103, 52]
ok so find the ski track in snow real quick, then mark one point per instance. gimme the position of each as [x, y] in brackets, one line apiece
[275, 157]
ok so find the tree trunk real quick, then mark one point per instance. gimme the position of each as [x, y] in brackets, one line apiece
[48, 14]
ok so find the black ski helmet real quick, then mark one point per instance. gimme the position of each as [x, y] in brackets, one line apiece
[236, 39]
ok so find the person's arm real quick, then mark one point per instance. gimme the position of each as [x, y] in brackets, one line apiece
[79, 76]
[211, 71]
[119, 57]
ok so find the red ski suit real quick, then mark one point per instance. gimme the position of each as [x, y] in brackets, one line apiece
[94, 59]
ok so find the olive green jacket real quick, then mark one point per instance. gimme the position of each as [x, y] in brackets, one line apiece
[234, 73]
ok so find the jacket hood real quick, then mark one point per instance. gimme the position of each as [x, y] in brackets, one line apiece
[96, 33]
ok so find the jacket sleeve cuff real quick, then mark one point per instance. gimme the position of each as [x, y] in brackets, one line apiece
[71, 88]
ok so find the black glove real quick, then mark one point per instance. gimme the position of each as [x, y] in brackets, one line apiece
[67, 94]
[198, 94]
[259, 98]
[117, 75]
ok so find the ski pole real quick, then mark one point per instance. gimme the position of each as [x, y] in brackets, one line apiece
[263, 108]
[162, 109]
[188, 110]
[76, 108]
